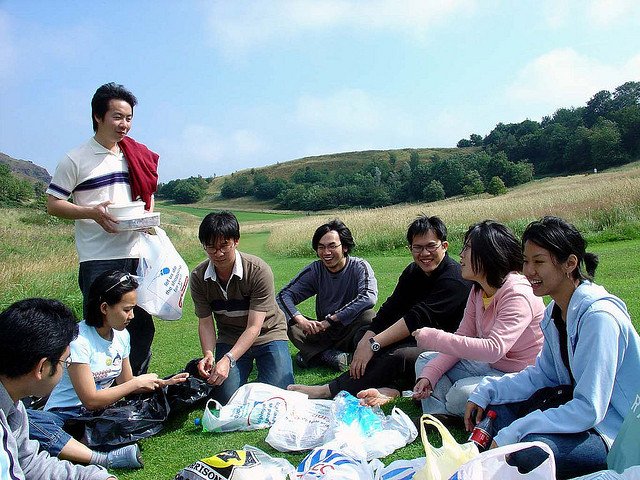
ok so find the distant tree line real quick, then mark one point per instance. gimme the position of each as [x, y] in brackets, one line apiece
[602, 134]
[384, 182]
[186, 190]
[16, 191]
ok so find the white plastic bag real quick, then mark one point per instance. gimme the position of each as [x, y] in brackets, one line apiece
[164, 275]
[337, 460]
[492, 465]
[252, 407]
[250, 463]
[303, 427]
[442, 462]
[401, 469]
[378, 434]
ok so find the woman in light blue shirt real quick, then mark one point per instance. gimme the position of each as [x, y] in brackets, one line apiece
[98, 374]
[590, 348]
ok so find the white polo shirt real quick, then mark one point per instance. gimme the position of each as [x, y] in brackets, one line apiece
[92, 174]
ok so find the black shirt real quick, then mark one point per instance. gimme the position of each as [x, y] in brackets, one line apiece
[436, 300]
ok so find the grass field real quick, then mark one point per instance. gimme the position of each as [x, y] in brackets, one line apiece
[38, 258]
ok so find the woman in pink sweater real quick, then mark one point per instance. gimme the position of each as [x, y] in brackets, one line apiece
[500, 330]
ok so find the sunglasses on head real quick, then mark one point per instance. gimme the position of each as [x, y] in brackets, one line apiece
[126, 278]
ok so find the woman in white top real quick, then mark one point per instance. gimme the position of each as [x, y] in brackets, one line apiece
[98, 374]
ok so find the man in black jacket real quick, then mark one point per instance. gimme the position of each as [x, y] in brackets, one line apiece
[430, 293]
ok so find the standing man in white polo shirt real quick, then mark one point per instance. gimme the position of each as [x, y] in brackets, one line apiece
[109, 168]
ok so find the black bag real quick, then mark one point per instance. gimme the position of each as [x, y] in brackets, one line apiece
[190, 393]
[126, 421]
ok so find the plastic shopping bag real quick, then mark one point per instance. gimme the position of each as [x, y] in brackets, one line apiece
[377, 434]
[302, 427]
[164, 276]
[441, 463]
[128, 420]
[253, 406]
[337, 460]
[401, 469]
[492, 465]
[250, 463]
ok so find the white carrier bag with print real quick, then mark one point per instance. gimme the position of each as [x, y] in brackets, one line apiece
[164, 275]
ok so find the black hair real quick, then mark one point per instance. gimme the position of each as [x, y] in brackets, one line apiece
[102, 97]
[218, 226]
[495, 251]
[423, 224]
[108, 287]
[342, 230]
[33, 329]
[562, 239]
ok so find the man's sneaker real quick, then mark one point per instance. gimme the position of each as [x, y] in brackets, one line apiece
[125, 457]
[336, 359]
[300, 361]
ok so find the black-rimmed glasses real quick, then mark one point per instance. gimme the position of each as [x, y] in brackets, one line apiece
[431, 248]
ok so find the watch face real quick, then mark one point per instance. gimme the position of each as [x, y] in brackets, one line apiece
[375, 346]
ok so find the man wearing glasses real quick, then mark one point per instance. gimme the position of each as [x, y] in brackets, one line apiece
[346, 291]
[236, 290]
[430, 293]
[35, 334]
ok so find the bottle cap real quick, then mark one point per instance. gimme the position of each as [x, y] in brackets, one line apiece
[197, 421]
[492, 415]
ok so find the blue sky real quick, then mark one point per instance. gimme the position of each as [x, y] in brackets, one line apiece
[227, 85]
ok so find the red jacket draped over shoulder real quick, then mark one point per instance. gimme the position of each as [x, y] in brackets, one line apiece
[143, 169]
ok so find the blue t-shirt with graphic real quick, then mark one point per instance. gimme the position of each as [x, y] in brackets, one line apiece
[104, 357]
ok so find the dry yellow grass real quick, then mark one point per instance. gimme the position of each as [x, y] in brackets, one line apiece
[576, 198]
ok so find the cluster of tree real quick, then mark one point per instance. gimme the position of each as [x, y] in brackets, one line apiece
[384, 182]
[188, 190]
[602, 134]
[15, 191]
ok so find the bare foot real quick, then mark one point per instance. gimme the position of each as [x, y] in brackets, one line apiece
[373, 397]
[312, 391]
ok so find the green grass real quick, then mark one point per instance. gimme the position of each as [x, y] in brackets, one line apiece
[243, 216]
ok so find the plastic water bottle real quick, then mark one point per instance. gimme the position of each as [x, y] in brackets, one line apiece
[482, 434]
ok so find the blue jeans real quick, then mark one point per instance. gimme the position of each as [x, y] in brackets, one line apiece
[452, 391]
[273, 362]
[46, 426]
[575, 453]
[141, 329]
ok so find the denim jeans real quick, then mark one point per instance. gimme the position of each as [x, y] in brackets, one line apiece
[273, 361]
[452, 391]
[46, 426]
[575, 453]
[141, 329]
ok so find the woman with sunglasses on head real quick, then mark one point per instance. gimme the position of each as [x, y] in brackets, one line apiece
[98, 374]
[499, 331]
[591, 352]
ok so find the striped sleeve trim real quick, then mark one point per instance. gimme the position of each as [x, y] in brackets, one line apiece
[58, 189]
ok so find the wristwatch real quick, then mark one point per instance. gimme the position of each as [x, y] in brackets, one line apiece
[375, 346]
[232, 361]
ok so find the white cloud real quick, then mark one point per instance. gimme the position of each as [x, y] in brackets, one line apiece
[563, 77]
[202, 150]
[238, 27]
[606, 13]
[556, 13]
